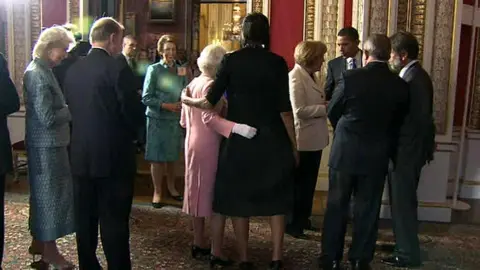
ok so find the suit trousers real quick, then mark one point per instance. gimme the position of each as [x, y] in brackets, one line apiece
[106, 202]
[2, 216]
[305, 181]
[368, 190]
[402, 185]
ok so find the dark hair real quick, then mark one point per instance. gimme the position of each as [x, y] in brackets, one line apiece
[378, 46]
[405, 42]
[349, 32]
[130, 37]
[256, 30]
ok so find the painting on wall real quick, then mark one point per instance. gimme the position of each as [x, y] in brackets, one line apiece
[162, 11]
[130, 24]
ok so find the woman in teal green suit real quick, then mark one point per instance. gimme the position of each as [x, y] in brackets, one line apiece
[164, 82]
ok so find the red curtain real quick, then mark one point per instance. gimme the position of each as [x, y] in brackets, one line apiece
[286, 27]
[347, 19]
[54, 12]
[462, 73]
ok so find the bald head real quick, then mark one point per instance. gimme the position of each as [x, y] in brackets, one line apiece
[129, 46]
[377, 48]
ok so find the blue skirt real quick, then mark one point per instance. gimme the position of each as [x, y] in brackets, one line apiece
[51, 193]
[164, 140]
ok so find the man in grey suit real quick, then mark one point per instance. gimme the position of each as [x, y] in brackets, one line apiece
[351, 58]
[416, 145]
[365, 128]
[9, 103]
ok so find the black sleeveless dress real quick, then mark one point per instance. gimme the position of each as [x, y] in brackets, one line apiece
[255, 176]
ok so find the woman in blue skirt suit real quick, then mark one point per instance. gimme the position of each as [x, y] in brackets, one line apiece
[164, 82]
[47, 137]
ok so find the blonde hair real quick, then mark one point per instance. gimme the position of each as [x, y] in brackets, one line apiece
[165, 39]
[307, 53]
[210, 58]
[50, 38]
[103, 28]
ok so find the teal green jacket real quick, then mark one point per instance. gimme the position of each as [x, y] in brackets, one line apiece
[162, 86]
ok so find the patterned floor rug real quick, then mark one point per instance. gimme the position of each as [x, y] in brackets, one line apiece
[160, 239]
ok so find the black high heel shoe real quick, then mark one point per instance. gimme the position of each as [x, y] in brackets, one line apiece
[198, 251]
[157, 205]
[276, 265]
[217, 261]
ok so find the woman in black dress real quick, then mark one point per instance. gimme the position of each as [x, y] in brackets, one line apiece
[255, 176]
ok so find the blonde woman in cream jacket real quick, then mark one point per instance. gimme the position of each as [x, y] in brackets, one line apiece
[311, 130]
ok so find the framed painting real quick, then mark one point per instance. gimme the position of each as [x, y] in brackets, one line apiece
[130, 23]
[162, 11]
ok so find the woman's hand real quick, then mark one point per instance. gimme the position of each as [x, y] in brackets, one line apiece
[172, 107]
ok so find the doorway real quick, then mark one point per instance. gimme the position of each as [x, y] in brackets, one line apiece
[219, 22]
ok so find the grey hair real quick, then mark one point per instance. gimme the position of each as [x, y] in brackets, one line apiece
[378, 46]
[210, 58]
[50, 38]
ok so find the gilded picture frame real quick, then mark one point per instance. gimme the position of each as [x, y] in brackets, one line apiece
[162, 11]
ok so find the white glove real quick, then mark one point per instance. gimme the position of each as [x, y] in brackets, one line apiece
[244, 130]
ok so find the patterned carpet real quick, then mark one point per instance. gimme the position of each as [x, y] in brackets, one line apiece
[161, 240]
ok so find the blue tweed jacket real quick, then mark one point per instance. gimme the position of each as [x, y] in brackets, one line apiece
[47, 115]
[162, 86]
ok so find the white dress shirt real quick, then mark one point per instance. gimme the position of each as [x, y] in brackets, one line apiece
[406, 67]
[358, 61]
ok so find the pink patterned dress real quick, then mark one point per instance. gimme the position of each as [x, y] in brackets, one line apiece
[202, 142]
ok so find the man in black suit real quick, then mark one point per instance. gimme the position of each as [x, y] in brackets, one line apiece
[9, 103]
[127, 60]
[105, 116]
[365, 128]
[351, 58]
[79, 51]
[415, 148]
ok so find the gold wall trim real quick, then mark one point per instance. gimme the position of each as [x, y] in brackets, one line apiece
[20, 39]
[474, 117]
[36, 20]
[257, 6]
[402, 15]
[378, 17]
[360, 19]
[411, 17]
[73, 11]
[466, 182]
[443, 50]
[427, 204]
[309, 20]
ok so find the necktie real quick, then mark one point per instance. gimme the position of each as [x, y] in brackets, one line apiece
[354, 63]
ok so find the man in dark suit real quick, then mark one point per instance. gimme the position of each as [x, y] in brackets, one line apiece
[351, 58]
[79, 51]
[9, 103]
[127, 60]
[365, 127]
[415, 148]
[105, 116]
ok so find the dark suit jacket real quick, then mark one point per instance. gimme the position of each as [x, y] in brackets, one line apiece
[366, 111]
[137, 78]
[79, 51]
[9, 103]
[417, 134]
[105, 116]
[335, 68]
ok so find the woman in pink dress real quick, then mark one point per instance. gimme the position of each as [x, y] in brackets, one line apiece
[204, 131]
